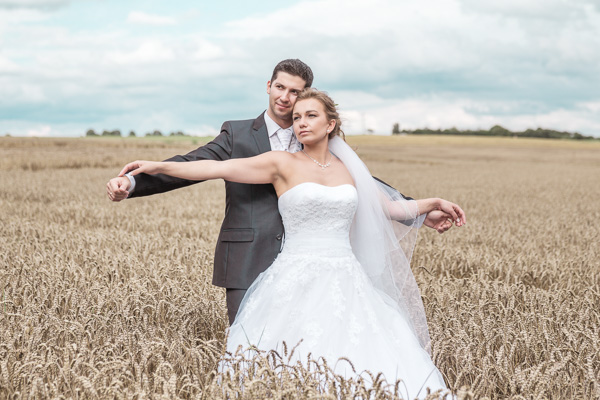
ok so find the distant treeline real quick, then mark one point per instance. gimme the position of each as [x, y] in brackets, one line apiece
[117, 133]
[496, 130]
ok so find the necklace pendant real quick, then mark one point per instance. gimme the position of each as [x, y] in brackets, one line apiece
[323, 166]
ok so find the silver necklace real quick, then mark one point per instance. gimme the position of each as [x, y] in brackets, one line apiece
[323, 166]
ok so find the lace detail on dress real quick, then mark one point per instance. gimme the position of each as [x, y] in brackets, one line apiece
[306, 212]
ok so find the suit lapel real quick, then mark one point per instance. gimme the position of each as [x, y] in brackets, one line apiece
[261, 136]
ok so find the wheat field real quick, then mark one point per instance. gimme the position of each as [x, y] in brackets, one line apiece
[113, 300]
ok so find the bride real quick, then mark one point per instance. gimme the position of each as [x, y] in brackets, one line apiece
[342, 284]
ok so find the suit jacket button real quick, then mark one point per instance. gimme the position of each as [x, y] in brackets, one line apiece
[278, 237]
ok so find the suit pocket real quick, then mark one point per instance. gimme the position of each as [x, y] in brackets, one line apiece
[237, 235]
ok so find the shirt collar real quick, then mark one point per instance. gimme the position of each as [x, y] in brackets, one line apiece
[272, 126]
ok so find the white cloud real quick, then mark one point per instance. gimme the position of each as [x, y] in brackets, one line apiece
[38, 4]
[580, 119]
[139, 17]
[441, 112]
[31, 93]
[149, 51]
[11, 19]
[7, 66]
[206, 50]
[444, 36]
[202, 130]
[15, 92]
[591, 106]
[536, 9]
[40, 131]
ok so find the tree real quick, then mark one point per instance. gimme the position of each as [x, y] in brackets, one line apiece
[498, 130]
[396, 129]
[91, 132]
[131, 134]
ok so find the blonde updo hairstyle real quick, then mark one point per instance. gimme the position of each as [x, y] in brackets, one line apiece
[328, 105]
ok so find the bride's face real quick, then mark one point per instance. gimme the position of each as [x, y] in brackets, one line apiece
[310, 121]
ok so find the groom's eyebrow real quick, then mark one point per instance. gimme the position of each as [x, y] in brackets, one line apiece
[285, 87]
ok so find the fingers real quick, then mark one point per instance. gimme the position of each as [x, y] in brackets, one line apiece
[457, 214]
[137, 171]
[461, 215]
[116, 189]
[453, 215]
[130, 167]
[118, 196]
[111, 188]
[444, 226]
[124, 170]
[447, 225]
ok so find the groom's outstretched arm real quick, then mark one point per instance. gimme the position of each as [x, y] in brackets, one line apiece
[217, 149]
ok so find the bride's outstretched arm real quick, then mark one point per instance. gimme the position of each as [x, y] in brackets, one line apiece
[264, 168]
[405, 210]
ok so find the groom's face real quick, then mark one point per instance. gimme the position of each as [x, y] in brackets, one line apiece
[283, 91]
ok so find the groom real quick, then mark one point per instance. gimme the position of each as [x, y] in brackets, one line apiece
[252, 231]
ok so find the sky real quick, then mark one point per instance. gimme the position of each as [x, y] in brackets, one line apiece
[67, 66]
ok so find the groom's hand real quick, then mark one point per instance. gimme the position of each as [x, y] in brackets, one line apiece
[438, 220]
[117, 188]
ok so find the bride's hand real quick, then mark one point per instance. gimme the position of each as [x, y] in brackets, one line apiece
[457, 214]
[141, 166]
[438, 220]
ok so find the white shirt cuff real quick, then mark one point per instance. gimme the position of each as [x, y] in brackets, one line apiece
[131, 183]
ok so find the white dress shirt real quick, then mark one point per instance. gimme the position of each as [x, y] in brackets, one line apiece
[281, 140]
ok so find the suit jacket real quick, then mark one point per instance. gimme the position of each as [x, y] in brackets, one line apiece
[252, 229]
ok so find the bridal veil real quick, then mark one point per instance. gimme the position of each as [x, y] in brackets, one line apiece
[383, 236]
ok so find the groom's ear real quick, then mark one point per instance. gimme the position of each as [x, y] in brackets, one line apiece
[269, 87]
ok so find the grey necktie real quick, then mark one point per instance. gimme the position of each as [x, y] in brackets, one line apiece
[285, 136]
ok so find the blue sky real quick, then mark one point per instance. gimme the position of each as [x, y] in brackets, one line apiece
[67, 66]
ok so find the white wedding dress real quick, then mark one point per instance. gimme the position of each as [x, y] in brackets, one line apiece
[316, 291]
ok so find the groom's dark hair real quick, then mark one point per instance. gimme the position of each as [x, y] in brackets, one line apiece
[294, 67]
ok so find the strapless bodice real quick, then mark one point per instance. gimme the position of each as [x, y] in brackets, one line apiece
[317, 217]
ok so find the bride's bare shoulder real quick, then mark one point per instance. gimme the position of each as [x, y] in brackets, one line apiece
[281, 156]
